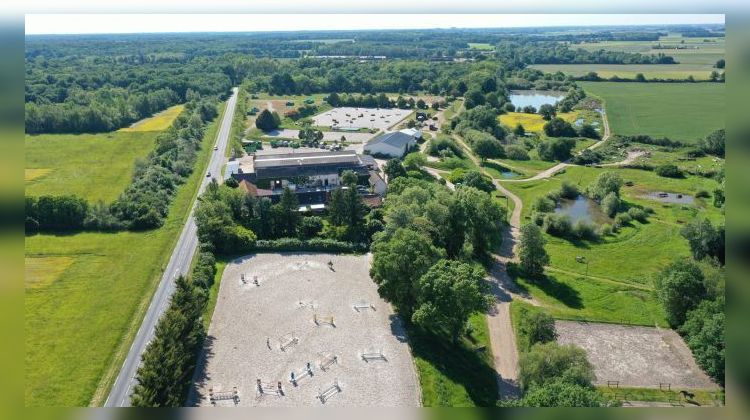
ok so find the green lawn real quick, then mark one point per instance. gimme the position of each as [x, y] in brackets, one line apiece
[79, 325]
[92, 166]
[680, 111]
[453, 375]
[617, 286]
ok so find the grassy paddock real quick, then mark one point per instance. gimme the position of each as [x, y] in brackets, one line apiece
[79, 326]
[92, 166]
[680, 111]
[157, 122]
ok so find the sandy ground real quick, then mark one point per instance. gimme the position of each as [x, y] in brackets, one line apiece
[252, 323]
[377, 118]
[635, 356]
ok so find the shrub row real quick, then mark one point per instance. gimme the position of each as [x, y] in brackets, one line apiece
[312, 245]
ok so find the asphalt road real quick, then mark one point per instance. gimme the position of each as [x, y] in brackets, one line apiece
[179, 263]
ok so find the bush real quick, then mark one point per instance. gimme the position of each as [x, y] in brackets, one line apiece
[638, 214]
[584, 230]
[569, 190]
[310, 227]
[535, 327]
[588, 131]
[443, 143]
[557, 127]
[515, 152]
[604, 184]
[543, 205]
[702, 194]
[552, 362]
[610, 204]
[605, 229]
[556, 149]
[313, 245]
[558, 225]
[267, 121]
[622, 219]
[669, 171]
[232, 182]
[588, 157]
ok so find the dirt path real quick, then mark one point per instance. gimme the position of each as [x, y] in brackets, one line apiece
[562, 165]
[502, 336]
[632, 156]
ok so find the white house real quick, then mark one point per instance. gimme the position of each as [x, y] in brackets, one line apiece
[412, 132]
[393, 144]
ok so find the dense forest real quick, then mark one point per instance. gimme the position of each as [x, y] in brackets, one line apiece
[99, 83]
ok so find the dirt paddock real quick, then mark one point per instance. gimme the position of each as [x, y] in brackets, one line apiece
[635, 356]
[304, 311]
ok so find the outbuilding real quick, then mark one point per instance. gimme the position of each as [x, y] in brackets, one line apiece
[394, 144]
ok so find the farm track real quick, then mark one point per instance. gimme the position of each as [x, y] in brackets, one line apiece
[504, 289]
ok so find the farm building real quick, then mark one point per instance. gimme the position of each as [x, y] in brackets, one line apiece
[312, 176]
[394, 144]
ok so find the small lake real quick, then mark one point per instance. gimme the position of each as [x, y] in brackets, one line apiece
[673, 198]
[582, 208]
[535, 98]
[506, 173]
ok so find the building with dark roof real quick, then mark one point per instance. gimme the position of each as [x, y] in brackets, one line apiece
[312, 176]
[394, 144]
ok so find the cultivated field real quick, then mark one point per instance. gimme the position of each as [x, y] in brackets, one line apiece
[157, 122]
[372, 118]
[89, 288]
[92, 166]
[635, 356]
[695, 57]
[268, 330]
[629, 71]
[680, 111]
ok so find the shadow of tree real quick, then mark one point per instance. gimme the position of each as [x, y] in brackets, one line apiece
[458, 363]
[200, 375]
[560, 291]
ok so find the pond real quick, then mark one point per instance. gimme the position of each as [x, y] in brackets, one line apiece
[535, 98]
[507, 173]
[582, 208]
[674, 198]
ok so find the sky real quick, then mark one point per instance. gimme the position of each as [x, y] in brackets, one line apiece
[150, 23]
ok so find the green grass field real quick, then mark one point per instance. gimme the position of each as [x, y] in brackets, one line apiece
[629, 71]
[82, 314]
[157, 122]
[92, 166]
[680, 111]
[695, 57]
[617, 285]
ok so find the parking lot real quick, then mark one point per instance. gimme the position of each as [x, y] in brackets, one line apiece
[635, 356]
[372, 118]
[294, 312]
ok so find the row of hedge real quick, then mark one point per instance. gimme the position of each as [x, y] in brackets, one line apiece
[311, 245]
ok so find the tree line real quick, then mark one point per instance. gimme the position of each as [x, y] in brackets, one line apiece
[145, 202]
